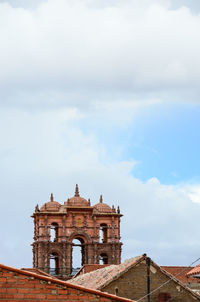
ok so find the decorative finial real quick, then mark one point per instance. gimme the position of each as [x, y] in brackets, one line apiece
[89, 202]
[113, 209]
[76, 191]
[101, 199]
[51, 198]
[118, 210]
[37, 208]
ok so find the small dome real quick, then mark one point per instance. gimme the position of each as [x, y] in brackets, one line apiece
[51, 206]
[77, 200]
[102, 207]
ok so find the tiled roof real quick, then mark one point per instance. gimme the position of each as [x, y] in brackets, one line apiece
[65, 283]
[87, 268]
[194, 271]
[99, 278]
[180, 272]
[38, 271]
[176, 280]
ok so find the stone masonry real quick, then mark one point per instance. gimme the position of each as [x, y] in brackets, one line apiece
[75, 219]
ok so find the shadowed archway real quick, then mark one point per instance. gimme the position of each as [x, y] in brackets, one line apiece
[78, 253]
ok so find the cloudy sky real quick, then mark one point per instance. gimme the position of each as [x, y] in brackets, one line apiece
[103, 93]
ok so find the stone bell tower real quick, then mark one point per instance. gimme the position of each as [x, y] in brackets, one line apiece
[97, 228]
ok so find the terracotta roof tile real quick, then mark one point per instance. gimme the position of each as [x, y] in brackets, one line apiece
[194, 271]
[182, 273]
[99, 278]
[86, 268]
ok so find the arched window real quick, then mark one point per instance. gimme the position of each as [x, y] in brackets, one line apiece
[78, 254]
[164, 297]
[54, 232]
[103, 258]
[54, 264]
[103, 233]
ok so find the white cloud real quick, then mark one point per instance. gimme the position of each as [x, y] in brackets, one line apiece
[83, 52]
[193, 192]
[44, 152]
[69, 61]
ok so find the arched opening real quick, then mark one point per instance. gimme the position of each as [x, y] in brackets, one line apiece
[54, 232]
[54, 264]
[103, 258]
[103, 233]
[78, 254]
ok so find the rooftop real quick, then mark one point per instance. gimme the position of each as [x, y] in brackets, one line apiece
[98, 278]
[194, 271]
[76, 201]
[102, 277]
[180, 272]
[59, 282]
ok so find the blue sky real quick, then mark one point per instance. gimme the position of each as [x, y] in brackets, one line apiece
[163, 140]
[166, 144]
[104, 94]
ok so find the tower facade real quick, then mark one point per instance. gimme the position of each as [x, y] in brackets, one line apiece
[56, 226]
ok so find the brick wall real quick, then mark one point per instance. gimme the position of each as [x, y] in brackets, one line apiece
[17, 285]
[133, 285]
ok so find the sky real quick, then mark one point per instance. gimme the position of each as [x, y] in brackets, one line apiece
[104, 94]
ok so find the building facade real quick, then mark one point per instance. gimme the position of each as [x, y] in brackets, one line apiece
[139, 279]
[56, 226]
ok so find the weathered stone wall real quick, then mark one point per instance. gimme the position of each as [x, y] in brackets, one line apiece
[133, 285]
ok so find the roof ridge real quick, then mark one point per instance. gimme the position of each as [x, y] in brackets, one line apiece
[195, 270]
[40, 272]
[173, 278]
[64, 283]
[138, 259]
[176, 266]
[99, 278]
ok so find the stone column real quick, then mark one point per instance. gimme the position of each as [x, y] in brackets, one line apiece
[63, 228]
